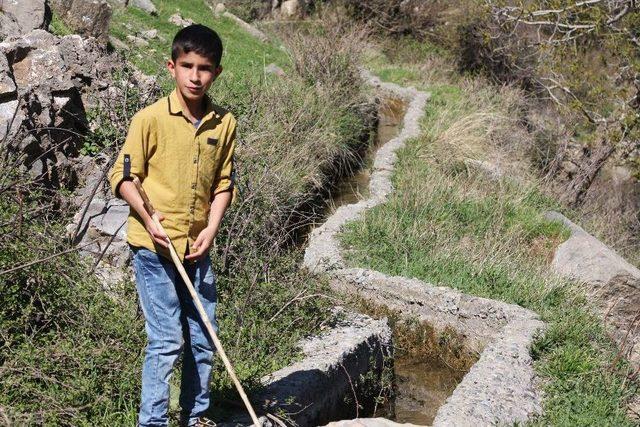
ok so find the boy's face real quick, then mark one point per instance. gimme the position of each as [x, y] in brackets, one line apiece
[193, 74]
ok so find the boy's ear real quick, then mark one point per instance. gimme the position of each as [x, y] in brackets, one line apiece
[217, 71]
[171, 66]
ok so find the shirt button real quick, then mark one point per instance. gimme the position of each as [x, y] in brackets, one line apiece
[193, 186]
[195, 160]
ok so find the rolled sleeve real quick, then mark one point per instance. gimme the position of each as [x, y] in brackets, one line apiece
[225, 176]
[135, 151]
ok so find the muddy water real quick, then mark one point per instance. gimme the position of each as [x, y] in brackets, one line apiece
[422, 386]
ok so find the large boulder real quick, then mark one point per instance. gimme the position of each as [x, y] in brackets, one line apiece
[45, 83]
[22, 16]
[611, 283]
[89, 18]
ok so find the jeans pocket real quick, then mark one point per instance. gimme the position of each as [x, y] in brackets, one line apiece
[208, 287]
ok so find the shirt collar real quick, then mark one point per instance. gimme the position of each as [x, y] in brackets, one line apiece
[175, 108]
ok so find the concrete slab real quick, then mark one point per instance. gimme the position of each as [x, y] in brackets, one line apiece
[325, 384]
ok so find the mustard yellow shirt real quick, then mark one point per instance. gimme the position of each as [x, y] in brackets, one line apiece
[181, 168]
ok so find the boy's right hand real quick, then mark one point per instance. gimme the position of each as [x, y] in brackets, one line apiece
[157, 235]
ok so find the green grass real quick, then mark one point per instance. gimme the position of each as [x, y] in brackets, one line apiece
[243, 59]
[453, 226]
[58, 27]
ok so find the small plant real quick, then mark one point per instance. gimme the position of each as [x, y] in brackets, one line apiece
[58, 27]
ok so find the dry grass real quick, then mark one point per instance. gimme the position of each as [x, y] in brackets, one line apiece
[461, 226]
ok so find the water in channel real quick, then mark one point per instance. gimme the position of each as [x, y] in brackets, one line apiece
[421, 385]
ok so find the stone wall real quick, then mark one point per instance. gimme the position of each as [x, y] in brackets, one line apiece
[45, 83]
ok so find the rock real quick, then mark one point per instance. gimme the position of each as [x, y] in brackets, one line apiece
[274, 69]
[86, 17]
[103, 222]
[177, 19]
[84, 57]
[8, 26]
[140, 42]
[101, 232]
[146, 5]
[38, 69]
[54, 77]
[118, 44]
[7, 85]
[290, 9]
[609, 280]
[219, 9]
[146, 83]
[149, 34]
[8, 110]
[26, 15]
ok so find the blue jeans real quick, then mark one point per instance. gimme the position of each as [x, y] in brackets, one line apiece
[171, 320]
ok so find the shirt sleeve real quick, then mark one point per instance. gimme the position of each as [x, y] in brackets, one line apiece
[225, 176]
[132, 159]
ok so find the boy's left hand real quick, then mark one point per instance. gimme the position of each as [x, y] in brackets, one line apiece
[202, 244]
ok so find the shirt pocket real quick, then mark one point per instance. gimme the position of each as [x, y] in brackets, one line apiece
[210, 152]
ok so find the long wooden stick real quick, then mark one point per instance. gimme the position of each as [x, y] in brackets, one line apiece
[196, 300]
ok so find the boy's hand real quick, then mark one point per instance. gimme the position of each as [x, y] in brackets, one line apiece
[202, 244]
[158, 236]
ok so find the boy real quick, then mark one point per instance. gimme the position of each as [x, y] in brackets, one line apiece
[181, 148]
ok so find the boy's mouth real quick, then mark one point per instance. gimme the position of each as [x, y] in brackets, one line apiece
[194, 89]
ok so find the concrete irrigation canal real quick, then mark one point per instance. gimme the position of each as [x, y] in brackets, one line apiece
[482, 376]
[422, 380]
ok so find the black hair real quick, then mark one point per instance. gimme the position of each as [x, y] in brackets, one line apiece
[199, 39]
